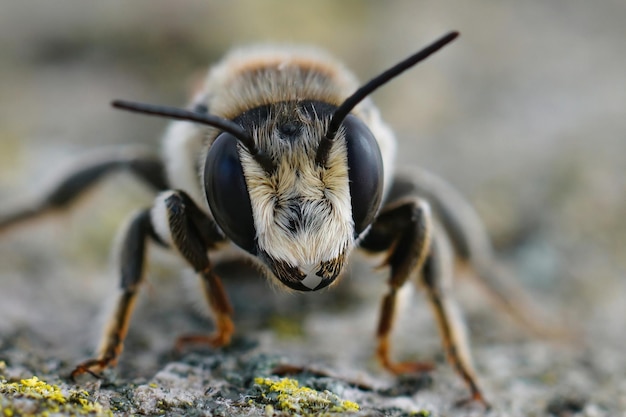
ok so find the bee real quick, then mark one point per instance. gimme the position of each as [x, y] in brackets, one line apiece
[282, 153]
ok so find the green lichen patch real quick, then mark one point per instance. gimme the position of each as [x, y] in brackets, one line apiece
[34, 397]
[287, 395]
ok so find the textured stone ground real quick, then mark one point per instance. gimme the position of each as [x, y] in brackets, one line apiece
[524, 114]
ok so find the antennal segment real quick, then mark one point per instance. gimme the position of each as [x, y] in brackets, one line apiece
[182, 114]
[351, 102]
[203, 118]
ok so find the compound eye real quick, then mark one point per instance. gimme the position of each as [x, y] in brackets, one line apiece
[365, 170]
[227, 192]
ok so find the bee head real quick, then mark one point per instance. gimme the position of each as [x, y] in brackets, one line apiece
[295, 183]
[299, 215]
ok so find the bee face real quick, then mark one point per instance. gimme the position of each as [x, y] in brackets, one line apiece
[300, 217]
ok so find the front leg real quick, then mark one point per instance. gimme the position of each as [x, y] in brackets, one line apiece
[405, 230]
[193, 233]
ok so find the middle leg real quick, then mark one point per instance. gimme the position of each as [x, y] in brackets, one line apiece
[132, 270]
[174, 221]
[403, 229]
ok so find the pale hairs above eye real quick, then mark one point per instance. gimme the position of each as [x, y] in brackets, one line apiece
[226, 125]
[367, 88]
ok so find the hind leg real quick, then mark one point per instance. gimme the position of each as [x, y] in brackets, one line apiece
[83, 178]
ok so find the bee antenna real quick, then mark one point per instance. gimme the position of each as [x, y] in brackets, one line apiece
[344, 109]
[199, 117]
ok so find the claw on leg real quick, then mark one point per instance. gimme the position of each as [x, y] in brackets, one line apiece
[221, 337]
[219, 303]
[477, 397]
[436, 280]
[113, 341]
[92, 367]
[399, 368]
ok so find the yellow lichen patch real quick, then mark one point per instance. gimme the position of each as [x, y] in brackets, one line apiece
[33, 397]
[287, 395]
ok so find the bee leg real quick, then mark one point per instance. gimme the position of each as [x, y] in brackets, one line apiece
[473, 249]
[222, 311]
[176, 221]
[437, 281]
[133, 253]
[83, 178]
[403, 228]
[193, 233]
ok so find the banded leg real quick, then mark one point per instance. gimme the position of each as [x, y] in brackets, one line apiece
[176, 221]
[437, 281]
[133, 254]
[193, 233]
[404, 230]
[61, 197]
[473, 249]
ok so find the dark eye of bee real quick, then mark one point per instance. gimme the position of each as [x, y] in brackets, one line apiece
[365, 170]
[227, 192]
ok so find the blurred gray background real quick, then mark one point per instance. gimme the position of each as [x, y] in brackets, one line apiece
[524, 114]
